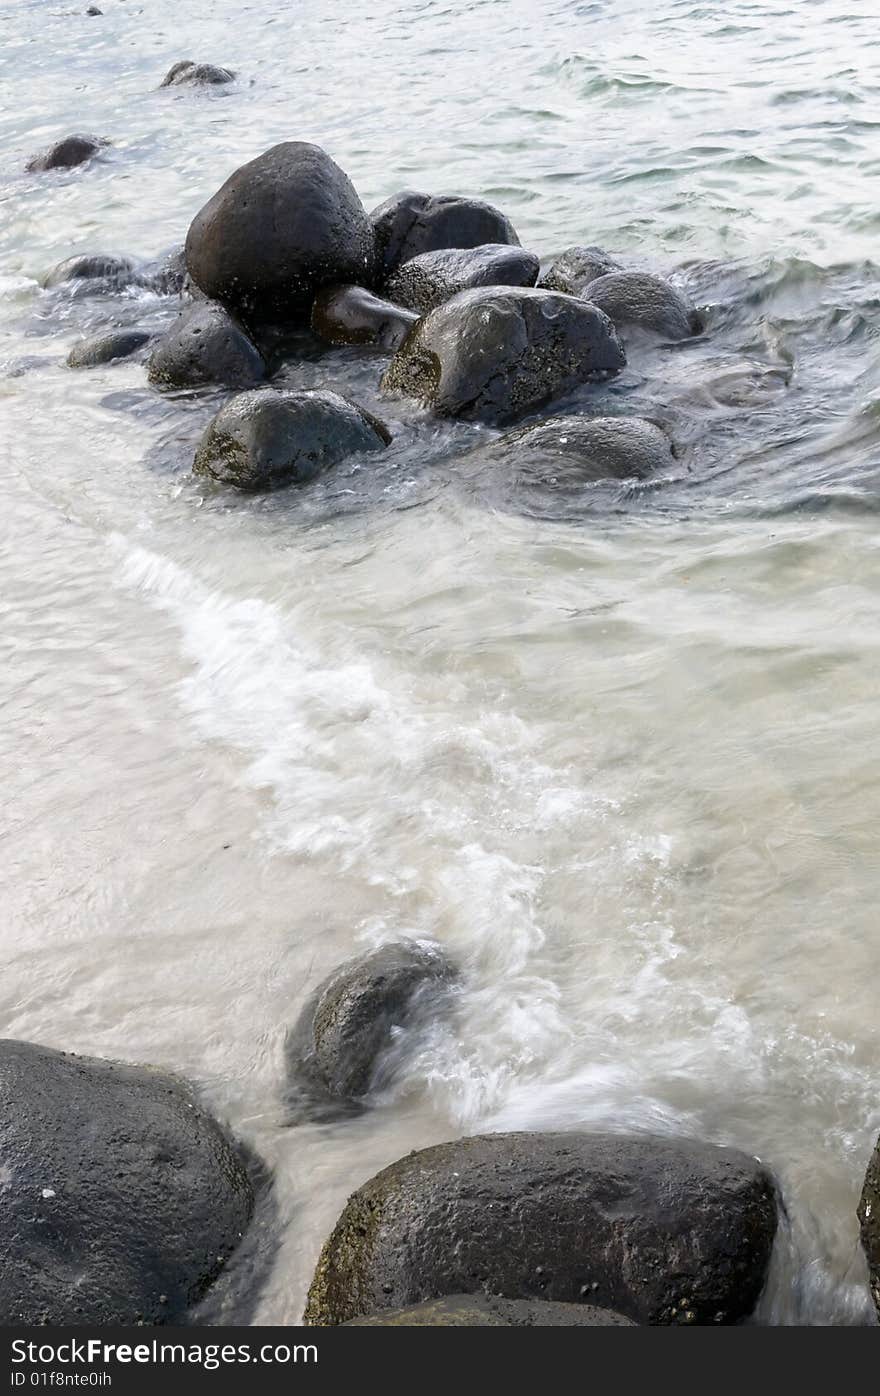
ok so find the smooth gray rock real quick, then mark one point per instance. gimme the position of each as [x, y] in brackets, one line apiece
[495, 354]
[411, 223]
[279, 229]
[105, 348]
[67, 153]
[122, 1200]
[268, 438]
[579, 450]
[635, 298]
[350, 1021]
[353, 315]
[575, 268]
[186, 73]
[486, 1311]
[103, 269]
[428, 280]
[663, 1231]
[205, 346]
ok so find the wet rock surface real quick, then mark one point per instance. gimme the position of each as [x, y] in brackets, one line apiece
[353, 315]
[663, 1231]
[205, 346]
[428, 280]
[574, 269]
[496, 354]
[105, 348]
[638, 299]
[410, 223]
[67, 153]
[103, 267]
[186, 73]
[271, 437]
[279, 229]
[336, 1048]
[122, 1199]
[579, 450]
[869, 1224]
[486, 1311]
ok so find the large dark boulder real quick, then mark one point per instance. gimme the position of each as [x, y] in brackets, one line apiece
[869, 1223]
[66, 153]
[664, 1231]
[580, 450]
[122, 1199]
[350, 1022]
[638, 299]
[205, 346]
[268, 438]
[576, 268]
[410, 223]
[279, 229]
[102, 270]
[488, 1311]
[105, 348]
[186, 73]
[494, 354]
[353, 315]
[434, 277]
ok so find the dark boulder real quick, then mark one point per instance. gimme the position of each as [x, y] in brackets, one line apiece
[494, 354]
[580, 450]
[105, 348]
[409, 224]
[189, 74]
[664, 1231]
[268, 438]
[352, 315]
[103, 269]
[638, 299]
[205, 346]
[279, 229]
[350, 1021]
[93, 10]
[576, 268]
[167, 276]
[869, 1223]
[122, 1199]
[66, 153]
[487, 1311]
[434, 277]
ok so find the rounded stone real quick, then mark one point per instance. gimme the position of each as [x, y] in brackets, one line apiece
[268, 438]
[353, 315]
[411, 223]
[638, 299]
[428, 280]
[105, 348]
[205, 346]
[103, 268]
[67, 153]
[575, 268]
[122, 1199]
[186, 73]
[581, 450]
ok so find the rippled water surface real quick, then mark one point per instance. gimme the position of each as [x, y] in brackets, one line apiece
[617, 750]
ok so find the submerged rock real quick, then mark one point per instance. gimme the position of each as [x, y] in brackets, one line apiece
[487, 1311]
[350, 1021]
[580, 450]
[869, 1223]
[664, 1231]
[268, 438]
[188, 73]
[66, 153]
[122, 1199]
[279, 229]
[576, 268]
[353, 315]
[635, 298]
[103, 268]
[428, 280]
[169, 273]
[410, 223]
[205, 346]
[494, 354]
[105, 348]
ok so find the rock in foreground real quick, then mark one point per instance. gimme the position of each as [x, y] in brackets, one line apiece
[493, 355]
[268, 438]
[581, 450]
[205, 346]
[410, 223]
[637, 299]
[428, 280]
[353, 315]
[485, 1311]
[663, 1231]
[279, 229]
[869, 1222]
[350, 1022]
[122, 1199]
[66, 153]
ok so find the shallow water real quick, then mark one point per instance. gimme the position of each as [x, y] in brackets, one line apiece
[615, 750]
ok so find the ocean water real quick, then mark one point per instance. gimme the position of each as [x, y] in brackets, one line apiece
[616, 750]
